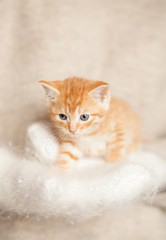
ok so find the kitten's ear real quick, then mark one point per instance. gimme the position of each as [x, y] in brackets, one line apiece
[101, 94]
[50, 89]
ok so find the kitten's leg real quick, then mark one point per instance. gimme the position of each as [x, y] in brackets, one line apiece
[68, 153]
[135, 139]
[116, 148]
[134, 147]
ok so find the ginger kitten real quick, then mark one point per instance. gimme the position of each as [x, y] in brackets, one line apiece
[89, 122]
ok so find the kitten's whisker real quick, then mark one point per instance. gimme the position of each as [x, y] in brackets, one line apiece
[59, 134]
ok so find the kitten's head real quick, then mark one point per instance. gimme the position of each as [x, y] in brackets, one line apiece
[77, 106]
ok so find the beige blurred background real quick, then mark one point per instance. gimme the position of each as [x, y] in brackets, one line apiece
[121, 42]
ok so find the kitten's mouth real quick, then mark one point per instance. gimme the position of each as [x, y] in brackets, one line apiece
[74, 134]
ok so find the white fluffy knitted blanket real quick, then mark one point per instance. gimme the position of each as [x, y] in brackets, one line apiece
[30, 184]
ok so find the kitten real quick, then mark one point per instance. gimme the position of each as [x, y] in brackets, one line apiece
[89, 122]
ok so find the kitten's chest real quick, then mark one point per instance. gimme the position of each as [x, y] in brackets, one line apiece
[92, 146]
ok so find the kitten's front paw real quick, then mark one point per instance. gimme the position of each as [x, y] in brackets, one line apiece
[114, 158]
[64, 165]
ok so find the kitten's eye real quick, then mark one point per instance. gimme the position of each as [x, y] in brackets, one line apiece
[62, 116]
[84, 117]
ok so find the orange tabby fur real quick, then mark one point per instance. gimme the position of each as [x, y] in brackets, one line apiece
[111, 131]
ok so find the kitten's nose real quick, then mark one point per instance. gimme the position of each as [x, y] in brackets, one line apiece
[73, 130]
